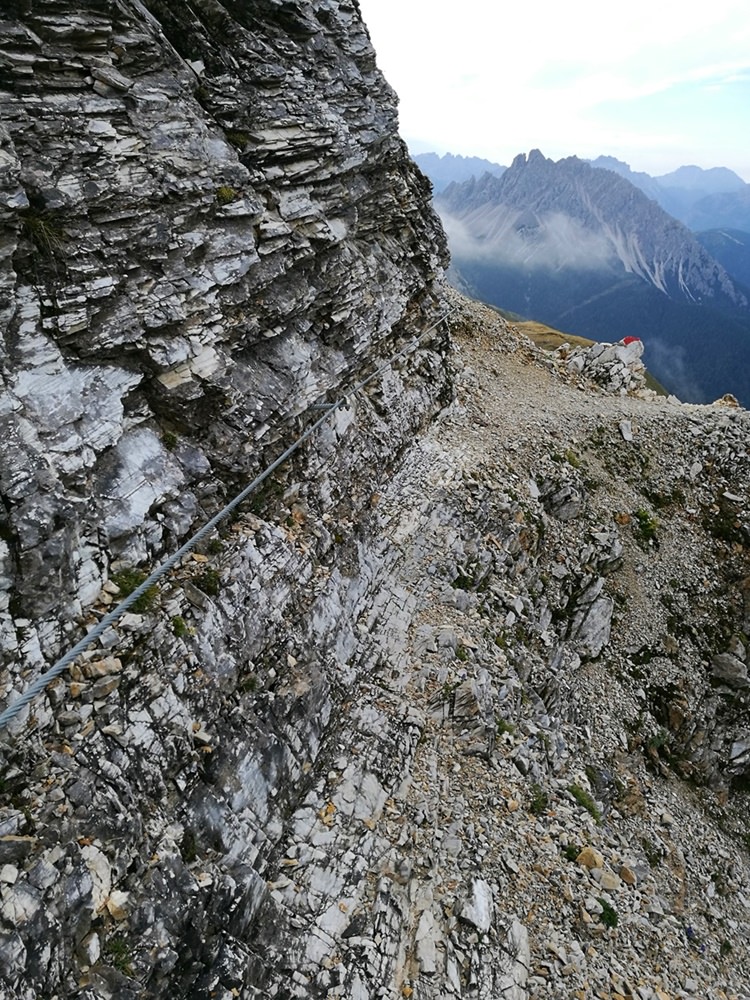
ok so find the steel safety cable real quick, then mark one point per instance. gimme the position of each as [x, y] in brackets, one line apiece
[117, 612]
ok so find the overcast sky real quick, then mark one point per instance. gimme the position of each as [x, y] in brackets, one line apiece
[656, 83]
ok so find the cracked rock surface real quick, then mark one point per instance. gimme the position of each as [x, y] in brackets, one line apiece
[456, 705]
[208, 224]
[438, 742]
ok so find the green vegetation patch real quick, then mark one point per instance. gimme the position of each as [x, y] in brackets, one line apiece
[503, 726]
[645, 525]
[539, 800]
[609, 916]
[226, 194]
[237, 138]
[46, 236]
[209, 581]
[583, 798]
[119, 953]
[180, 627]
[128, 580]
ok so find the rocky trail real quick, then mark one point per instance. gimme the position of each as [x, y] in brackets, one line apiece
[552, 838]
[504, 758]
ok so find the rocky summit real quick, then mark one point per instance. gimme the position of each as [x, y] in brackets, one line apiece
[456, 704]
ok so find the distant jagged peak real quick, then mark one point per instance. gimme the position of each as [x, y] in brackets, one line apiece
[704, 180]
[477, 190]
[450, 168]
[446, 158]
[612, 163]
[701, 198]
[638, 177]
[535, 181]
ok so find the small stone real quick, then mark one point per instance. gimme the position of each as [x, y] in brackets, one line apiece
[590, 858]
[478, 909]
[15, 848]
[65, 719]
[116, 904]
[8, 874]
[730, 670]
[90, 949]
[44, 874]
[102, 668]
[105, 686]
[609, 881]
[628, 876]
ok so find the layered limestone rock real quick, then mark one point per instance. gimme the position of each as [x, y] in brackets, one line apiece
[209, 224]
[414, 722]
[210, 227]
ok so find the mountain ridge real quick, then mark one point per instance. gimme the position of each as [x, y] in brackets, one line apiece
[579, 247]
[701, 198]
[443, 170]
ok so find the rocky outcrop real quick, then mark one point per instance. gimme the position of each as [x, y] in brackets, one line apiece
[209, 224]
[454, 707]
[616, 367]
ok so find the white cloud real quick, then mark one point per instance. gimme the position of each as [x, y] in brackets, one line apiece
[500, 80]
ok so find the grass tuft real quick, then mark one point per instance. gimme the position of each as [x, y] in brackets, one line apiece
[583, 798]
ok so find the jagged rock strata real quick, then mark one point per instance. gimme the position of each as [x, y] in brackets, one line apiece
[416, 723]
[209, 223]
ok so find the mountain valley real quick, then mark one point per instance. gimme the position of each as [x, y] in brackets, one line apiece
[585, 251]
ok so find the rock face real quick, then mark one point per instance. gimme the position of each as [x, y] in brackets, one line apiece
[209, 223]
[419, 720]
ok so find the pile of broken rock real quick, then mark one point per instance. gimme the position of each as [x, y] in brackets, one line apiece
[616, 367]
